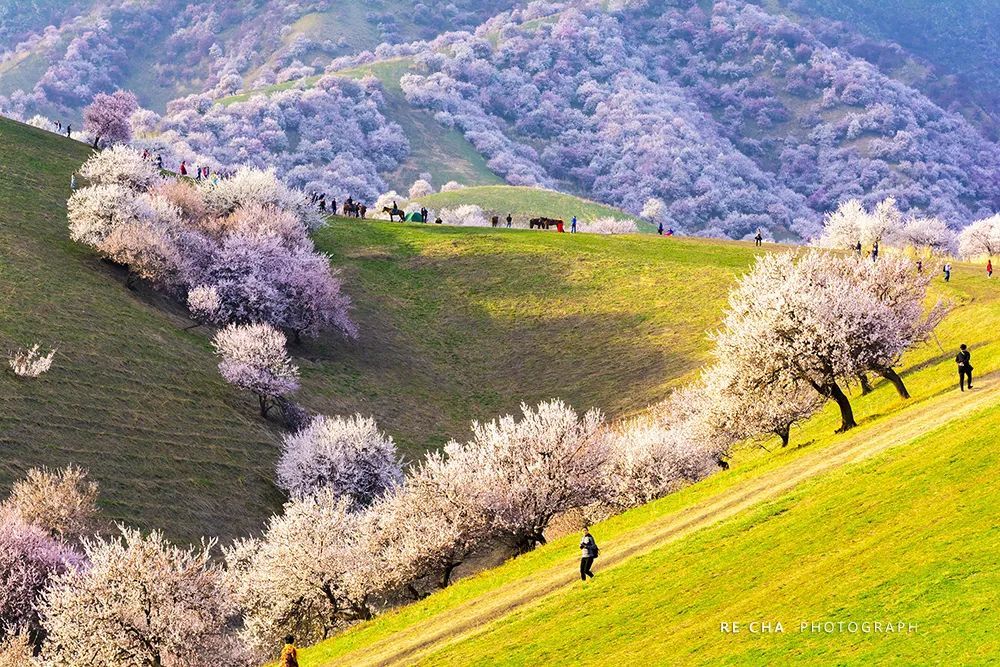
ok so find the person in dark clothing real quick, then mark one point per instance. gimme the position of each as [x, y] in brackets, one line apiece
[362, 211]
[857, 248]
[947, 272]
[758, 239]
[510, 220]
[438, 220]
[964, 361]
[875, 251]
[588, 552]
[423, 214]
[69, 131]
[659, 230]
[184, 169]
[920, 266]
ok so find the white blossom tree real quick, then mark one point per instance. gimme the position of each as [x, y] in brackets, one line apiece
[980, 238]
[465, 215]
[929, 234]
[421, 188]
[30, 362]
[351, 457]
[654, 210]
[121, 165]
[62, 502]
[96, 210]
[254, 358]
[533, 469]
[822, 319]
[254, 188]
[649, 459]
[140, 602]
[304, 576]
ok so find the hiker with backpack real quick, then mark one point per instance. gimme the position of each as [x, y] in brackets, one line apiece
[964, 361]
[588, 552]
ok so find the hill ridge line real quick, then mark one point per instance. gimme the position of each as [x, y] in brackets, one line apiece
[475, 616]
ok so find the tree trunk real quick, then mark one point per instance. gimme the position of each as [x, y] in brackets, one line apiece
[847, 422]
[866, 386]
[783, 433]
[897, 382]
[414, 593]
[446, 577]
[265, 406]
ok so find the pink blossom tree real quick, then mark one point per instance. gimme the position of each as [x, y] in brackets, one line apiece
[254, 359]
[106, 119]
[351, 457]
[29, 559]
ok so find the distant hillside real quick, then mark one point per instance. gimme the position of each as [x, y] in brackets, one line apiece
[164, 49]
[455, 323]
[959, 40]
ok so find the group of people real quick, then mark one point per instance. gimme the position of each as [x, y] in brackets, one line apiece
[351, 208]
[59, 129]
[201, 173]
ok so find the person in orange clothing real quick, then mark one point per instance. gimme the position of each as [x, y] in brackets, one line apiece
[289, 656]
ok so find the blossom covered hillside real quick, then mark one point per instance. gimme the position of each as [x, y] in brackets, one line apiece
[736, 115]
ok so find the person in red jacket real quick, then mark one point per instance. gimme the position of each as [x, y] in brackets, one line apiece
[184, 169]
[989, 268]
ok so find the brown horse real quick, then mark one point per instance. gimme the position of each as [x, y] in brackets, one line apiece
[393, 212]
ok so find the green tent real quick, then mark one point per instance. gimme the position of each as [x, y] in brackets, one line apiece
[414, 217]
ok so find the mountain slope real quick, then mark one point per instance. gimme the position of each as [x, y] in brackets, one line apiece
[456, 324]
[890, 522]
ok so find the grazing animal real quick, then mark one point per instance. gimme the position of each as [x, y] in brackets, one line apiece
[393, 212]
[545, 223]
[495, 220]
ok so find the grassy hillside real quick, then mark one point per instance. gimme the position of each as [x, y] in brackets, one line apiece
[455, 324]
[461, 323]
[131, 396]
[525, 202]
[892, 521]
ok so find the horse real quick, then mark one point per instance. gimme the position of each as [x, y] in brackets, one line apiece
[393, 212]
[544, 223]
[495, 220]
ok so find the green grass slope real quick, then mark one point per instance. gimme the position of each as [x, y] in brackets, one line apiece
[892, 521]
[456, 324]
[131, 396]
[527, 202]
[461, 323]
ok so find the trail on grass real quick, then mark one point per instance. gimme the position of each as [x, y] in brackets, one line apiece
[475, 615]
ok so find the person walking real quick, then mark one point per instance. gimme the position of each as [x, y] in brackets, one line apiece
[572, 225]
[659, 230]
[964, 361]
[588, 552]
[184, 169]
[510, 220]
[857, 248]
[758, 239]
[920, 266]
[875, 251]
[989, 268]
[423, 214]
[289, 656]
[72, 182]
[947, 272]
[69, 131]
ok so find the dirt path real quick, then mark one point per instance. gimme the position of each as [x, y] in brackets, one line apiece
[472, 617]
